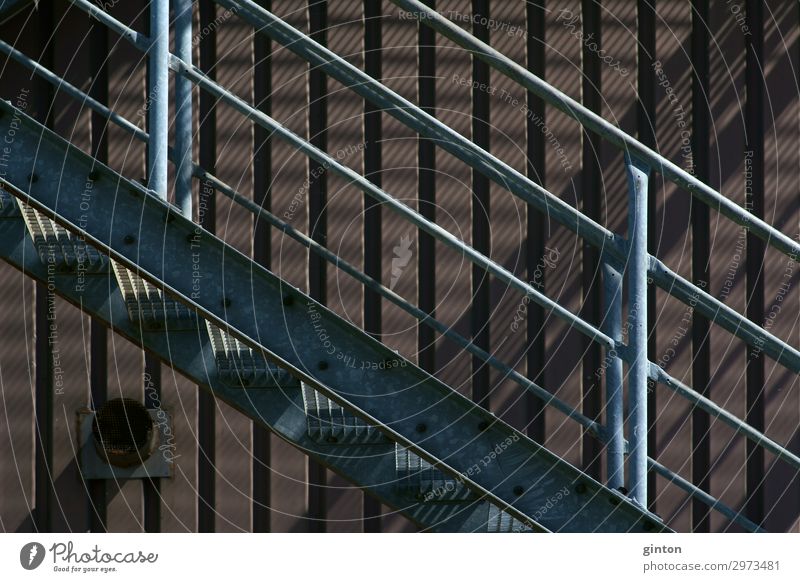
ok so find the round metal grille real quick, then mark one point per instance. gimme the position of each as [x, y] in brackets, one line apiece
[123, 432]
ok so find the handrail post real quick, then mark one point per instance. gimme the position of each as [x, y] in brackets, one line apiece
[183, 108]
[157, 101]
[612, 326]
[638, 173]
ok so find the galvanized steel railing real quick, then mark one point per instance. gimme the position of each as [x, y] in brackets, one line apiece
[621, 257]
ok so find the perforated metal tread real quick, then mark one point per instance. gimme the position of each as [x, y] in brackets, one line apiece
[147, 304]
[238, 365]
[330, 423]
[501, 522]
[58, 247]
[424, 481]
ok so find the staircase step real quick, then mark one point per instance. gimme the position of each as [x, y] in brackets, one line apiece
[408, 405]
[426, 482]
[239, 366]
[330, 423]
[149, 306]
[9, 207]
[502, 522]
[58, 247]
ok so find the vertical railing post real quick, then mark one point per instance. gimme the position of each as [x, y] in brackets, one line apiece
[636, 270]
[157, 107]
[612, 326]
[183, 108]
[157, 103]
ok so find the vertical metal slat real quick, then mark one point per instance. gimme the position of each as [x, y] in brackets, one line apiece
[262, 253]
[701, 243]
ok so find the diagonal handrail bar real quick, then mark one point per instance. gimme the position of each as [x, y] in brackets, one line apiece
[601, 127]
[665, 278]
[609, 243]
[593, 233]
[655, 372]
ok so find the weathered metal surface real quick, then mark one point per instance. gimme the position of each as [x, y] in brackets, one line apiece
[636, 274]
[594, 122]
[371, 467]
[408, 405]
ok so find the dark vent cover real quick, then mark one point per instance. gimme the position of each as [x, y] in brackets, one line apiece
[123, 432]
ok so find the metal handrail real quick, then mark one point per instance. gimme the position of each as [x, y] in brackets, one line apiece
[532, 193]
[610, 244]
[656, 372]
[203, 175]
[412, 116]
[785, 354]
[200, 79]
[600, 126]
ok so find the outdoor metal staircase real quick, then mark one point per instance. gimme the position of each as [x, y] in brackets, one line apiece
[253, 340]
[412, 410]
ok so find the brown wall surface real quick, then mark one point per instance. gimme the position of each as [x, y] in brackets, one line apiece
[561, 274]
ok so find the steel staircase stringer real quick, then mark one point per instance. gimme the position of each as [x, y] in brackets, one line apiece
[414, 409]
[280, 410]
